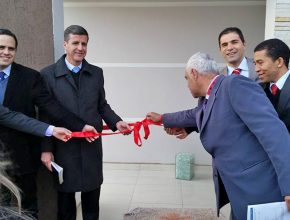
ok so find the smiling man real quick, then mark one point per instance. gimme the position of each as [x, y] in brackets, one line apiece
[16, 85]
[79, 86]
[232, 47]
[272, 59]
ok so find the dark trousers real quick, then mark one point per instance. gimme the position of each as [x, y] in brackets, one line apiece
[27, 184]
[67, 205]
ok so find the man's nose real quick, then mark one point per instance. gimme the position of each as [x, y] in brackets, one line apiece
[230, 47]
[6, 50]
[80, 47]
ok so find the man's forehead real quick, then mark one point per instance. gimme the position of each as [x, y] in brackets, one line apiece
[230, 37]
[6, 39]
[76, 37]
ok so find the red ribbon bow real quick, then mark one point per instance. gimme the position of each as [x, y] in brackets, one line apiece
[136, 131]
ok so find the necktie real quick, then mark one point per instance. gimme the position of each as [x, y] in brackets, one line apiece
[76, 69]
[2, 74]
[236, 71]
[274, 89]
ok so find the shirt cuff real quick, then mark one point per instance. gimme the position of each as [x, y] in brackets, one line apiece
[49, 131]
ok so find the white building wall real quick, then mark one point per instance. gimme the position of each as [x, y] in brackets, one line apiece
[143, 49]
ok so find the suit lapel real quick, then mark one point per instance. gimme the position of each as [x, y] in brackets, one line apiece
[62, 70]
[14, 84]
[284, 96]
[210, 102]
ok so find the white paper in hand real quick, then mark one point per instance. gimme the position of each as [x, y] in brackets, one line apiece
[59, 170]
[268, 211]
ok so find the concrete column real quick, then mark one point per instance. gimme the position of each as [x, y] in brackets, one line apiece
[278, 20]
[282, 21]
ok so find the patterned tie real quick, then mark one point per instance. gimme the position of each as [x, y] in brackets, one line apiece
[237, 71]
[2, 74]
[274, 89]
[76, 69]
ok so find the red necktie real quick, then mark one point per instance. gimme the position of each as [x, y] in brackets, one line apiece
[274, 89]
[236, 71]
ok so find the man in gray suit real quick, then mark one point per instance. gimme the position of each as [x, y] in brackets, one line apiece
[250, 164]
[21, 122]
[232, 47]
[79, 86]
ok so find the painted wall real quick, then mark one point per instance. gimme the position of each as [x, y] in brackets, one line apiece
[143, 50]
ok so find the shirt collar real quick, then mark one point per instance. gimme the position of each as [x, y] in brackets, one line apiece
[243, 66]
[70, 66]
[280, 83]
[7, 70]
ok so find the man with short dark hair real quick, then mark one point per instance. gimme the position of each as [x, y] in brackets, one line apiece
[79, 86]
[232, 47]
[272, 59]
[21, 88]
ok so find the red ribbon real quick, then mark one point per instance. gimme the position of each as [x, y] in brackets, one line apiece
[136, 131]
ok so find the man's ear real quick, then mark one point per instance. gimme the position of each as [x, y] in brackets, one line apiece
[194, 74]
[280, 62]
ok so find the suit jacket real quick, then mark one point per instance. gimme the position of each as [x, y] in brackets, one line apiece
[82, 161]
[250, 164]
[21, 122]
[252, 73]
[23, 148]
[283, 105]
[59, 115]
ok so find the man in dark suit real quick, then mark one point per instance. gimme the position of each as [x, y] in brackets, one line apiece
[79, 86]
[272, 59]
[250, 164]
[20, 88]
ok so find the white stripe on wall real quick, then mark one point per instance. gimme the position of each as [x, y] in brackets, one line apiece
[141, 65]
[145, 65]
[162, 4]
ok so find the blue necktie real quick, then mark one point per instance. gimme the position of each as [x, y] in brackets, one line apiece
[76, 69]
[2, 74]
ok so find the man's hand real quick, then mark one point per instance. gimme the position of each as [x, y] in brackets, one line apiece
[287, 200]
[91, 129]
[180, 133]
[46, 158]
[153, 116]
[61, 133]
[123, 127]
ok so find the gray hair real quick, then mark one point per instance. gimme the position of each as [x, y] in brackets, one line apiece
[75, 30]
[203, 63]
